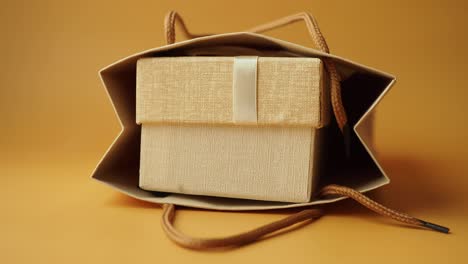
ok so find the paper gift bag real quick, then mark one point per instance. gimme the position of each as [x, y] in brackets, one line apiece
[352, 161]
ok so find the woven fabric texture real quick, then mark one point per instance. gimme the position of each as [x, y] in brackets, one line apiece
[199, 90]
[266, 163]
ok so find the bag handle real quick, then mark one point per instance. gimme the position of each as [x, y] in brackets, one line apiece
[305, 216]
[310, 22]
[173, 17]
[234, 240]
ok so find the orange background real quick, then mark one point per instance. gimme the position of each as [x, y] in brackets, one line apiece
[57, 122]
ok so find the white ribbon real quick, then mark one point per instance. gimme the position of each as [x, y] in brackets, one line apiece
[244, 89]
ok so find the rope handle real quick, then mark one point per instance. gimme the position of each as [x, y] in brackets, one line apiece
[234, 240]
[305, 216]
[308, 19]
[172, 18]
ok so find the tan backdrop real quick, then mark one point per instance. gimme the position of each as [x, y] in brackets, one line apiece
[57, 122]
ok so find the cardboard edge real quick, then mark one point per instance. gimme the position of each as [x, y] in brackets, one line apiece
[365, 141]
[116, 138]
[103, 82]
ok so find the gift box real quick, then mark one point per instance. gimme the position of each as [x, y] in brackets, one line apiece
[242, 127]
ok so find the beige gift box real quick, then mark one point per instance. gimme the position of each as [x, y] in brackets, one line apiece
[239, 127]
[362, 90]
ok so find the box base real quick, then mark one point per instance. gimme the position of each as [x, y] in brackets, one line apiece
[260, 163]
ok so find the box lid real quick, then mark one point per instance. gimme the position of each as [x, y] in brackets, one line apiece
[289, 91]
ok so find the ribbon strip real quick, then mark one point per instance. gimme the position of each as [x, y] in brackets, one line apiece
[244, 89]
